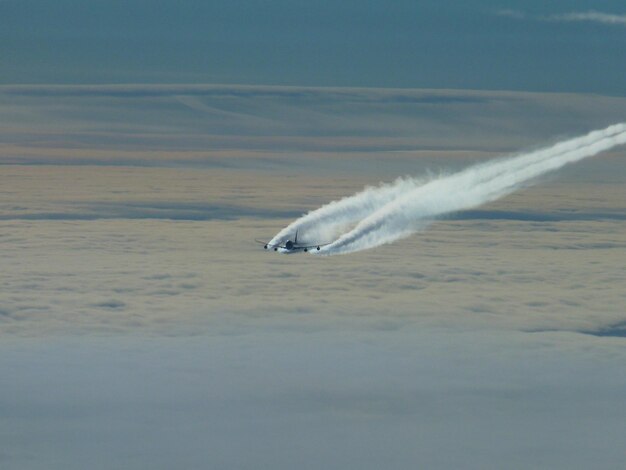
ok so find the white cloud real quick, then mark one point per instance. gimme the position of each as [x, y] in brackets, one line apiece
[590, 16]
[575, 16]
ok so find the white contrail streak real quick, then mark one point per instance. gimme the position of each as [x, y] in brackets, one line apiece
[385, 214]
[332, 219]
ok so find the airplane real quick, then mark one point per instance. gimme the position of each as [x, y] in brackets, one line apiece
[291, 246]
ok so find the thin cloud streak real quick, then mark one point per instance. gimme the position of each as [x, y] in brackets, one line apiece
[508, 13]
[591, 16]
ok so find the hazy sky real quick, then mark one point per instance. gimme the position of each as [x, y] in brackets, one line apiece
[481, 44]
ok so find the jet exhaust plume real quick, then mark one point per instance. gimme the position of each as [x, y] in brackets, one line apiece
[384, 214]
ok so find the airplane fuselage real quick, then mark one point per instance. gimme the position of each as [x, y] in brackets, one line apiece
[290, 247]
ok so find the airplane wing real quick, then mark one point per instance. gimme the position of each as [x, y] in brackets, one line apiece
[268, 244]
[311, 246]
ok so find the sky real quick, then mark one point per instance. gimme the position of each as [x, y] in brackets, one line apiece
[145, 145]
[573, 46]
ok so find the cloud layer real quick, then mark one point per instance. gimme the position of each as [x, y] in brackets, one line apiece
[171, 251]
[416, 398]
[271, 128]
[142, 327]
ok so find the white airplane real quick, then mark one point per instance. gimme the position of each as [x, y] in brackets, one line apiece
[289, 247]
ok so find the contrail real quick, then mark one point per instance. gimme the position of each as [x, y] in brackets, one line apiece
[387, 213]
[334, 218]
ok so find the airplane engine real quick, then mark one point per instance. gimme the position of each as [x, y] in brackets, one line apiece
[289, 244]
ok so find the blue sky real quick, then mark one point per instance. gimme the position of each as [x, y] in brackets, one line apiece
[478, 44]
